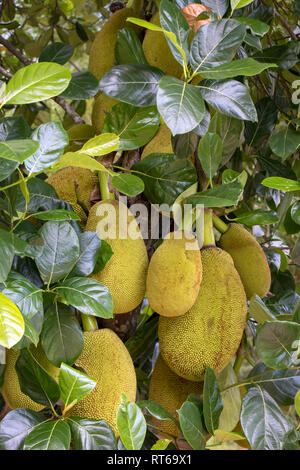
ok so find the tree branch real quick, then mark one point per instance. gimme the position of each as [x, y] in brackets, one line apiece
[22, 58]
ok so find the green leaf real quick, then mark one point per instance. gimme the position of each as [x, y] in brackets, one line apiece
[62, 337]
[184, 145]
[256, 26]
[57, 52]
[18, 150]
[103, 256]
[283, 184]
[35, 381]
[165, 177]
[59, 252]
[256, 133]
[91, 434]
[90, 249]
[49, 435]
[83, 86]
[231, 398]
[295, 212]
[284, 143]
[230, 130]
[217, 6]
[12, 324]
[88, 296]
[101, 145]
[297, 403]
[27, 296]
[275, 342]
[220, 196]
[239, 3]
[56, 215]
[52, 140]
[229, 97]
[131, 424]
[259, 311]
[180, 104]
[190, 420]
[37, 82]
[161, 444]
[210, 153]
[262, 420]
[216, 43]
[212, 401]
[135, 84]
[7, 168]
[156, 410]
[128, 48]
[128, 184]
[247, 67]
[258, 217]
[14, 128]
[7, 252]
[74, 385]
[81, 160]
[15, 427]
[142, 339]
[285, 56]
[134, 126]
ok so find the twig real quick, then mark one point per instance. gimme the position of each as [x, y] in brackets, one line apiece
[285, 25]
[67, 108]
[5, 72]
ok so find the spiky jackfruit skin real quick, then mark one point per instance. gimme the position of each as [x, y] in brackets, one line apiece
[158, 52]
[249, 259]
[102, 106]
[170, 391]
[105, 359]
[102, 53]
[209, 334]
[174, 275]
[64, 181]
[126, 271]
[161, 142]
[11, 389]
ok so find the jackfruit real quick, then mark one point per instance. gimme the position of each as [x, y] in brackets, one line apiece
[158, 52]
[102, 106]
[11, 389]
[209, 334]
[105, 359]
[161, 142]
[102, 53]
[170, 391]
[174, 275]
[64, 182]
[249, 259]
[126, 271]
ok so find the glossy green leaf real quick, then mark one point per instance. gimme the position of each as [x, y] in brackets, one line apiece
[220, 196]
[231, 399]
[27, 296]
[74, 385]
[81, 160]
[62, 337]
[135, 127]
[283, 184]
[259, 311]
[256, 133]
[11, 322]
[256, 26]
[87, 295]
[180, 104]
[83, 86]
[210, 153]
[284, 56]
[247, 67]
[37, 82]
[184, 145]
[14, 128]
[230, 130]
[258, 217]
[295, 212]
[217, 6]
[56, 215]
[156, 410]
[275, 343]
[235, 4]
[128, 48]
[191, 425]
[18, 150]
[103, 256]
[90, 248]
[52, 140]
[101, 145]
[131, 424]
[7, 252]
[91, 434]
[15, 427]
[49, 435]
[57, 52]
[135, 84]
[127, 183]
[212, 401]
[284, 143]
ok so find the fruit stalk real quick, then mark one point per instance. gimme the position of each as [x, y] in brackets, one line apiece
[104, 190]
[219, 224]
[209, 237]
[89, 322]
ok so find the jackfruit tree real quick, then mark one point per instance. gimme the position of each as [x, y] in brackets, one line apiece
[149, 225]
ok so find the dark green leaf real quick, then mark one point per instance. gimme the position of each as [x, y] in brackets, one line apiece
[90, 249]
[142, 339]
[35, 381]
[285, 56]
[212, 401]
[284, 143]
[74, 385]
[50, 435]
[256, 133]
[84, 85]
[258, 217]
[210, 153]
[256, 26]
[247, 67]
[135, 84]
[191, 425]
[220, 196]
[24, 294]
[87, 295]
[7, 168]
[180, 104]
[57, 52]
[217, 6]
[62, 338]
[134, 126]
[184, 145]
[131, 424]
[128, 49]
[203, 126]
[33, 328]
[295, 212]
[13, 128]
[56, 215]
[15, 427]
[230, 130]
[91, 434]
[7, 252]
[103, 256]
[156, 410]
[128, 184]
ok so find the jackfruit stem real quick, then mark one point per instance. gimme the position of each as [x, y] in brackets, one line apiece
[104, 190]
[219, 224]
[89, 322]
[209, 237]
[78, 198]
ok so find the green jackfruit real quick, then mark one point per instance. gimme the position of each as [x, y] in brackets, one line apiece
[174, 275]
[161, 142]
[102, 53]
[11, 389]
[64, 181]
[210, 333]
[105, 359]
[102, 106]
[170, 391]
[158, 52]
[249, 259]
[126, 271]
